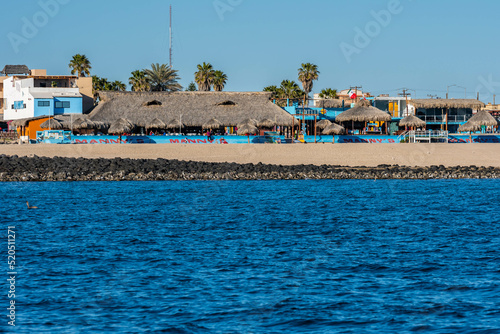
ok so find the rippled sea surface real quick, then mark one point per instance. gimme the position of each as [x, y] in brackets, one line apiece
[255, 257]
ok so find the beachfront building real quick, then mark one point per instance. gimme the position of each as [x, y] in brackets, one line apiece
[32, 93]
[446, 114]
[191, 110]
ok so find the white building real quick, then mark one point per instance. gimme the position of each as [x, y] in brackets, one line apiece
[33, 96]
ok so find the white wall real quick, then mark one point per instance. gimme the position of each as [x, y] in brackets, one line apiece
[20, 90]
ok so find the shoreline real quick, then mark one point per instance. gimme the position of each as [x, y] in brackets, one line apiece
[40, 169]
[349, 155]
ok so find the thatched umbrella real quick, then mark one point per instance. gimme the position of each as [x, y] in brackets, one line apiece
[83, 123]
[364, 112]
[266, 123]
[52, 124]
[333, 129]
[323, 124]
[247, 130]
[482, 118]
[212, 124]
[250, 121]
[412, 121]
[121, 126]
[155, 124]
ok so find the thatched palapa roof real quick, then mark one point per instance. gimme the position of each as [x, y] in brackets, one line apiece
[266, 123]
[15, 69]
[212, 124]
[363, 112]
[156, 124]
[250, 121]
[323, 124]
[247, 129]
[412, 121]
[53, 124]
[121, 125]
[447, 103]
[482, 118]
[175, 124]
[333, 129]
[196, 108]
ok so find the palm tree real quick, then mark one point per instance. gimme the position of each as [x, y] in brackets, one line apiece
[163, 78]
[204, 77]
[307, 74]
[328, 93]
[290, 90]
[272, 89]
[139, 82]
[80, 65]
[191, 87]
[118, 86]
[220, 80]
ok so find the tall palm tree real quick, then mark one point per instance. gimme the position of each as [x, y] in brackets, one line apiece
[139, 82]
[290, 90]
[80, 65]
[307, 74]
[204, 77]
[328, 93]
[118, 86]
[220, 80]
[163, 78]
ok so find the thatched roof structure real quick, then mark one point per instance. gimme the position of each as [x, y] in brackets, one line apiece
[331, 103]
[247, 129]
[412, 121]
[196, 108]
[53, 124]
[83, 123]
[266, 123]
[156, 124]
[447, 103]
[333, 129]
[323, 124]
[246, 121]
[482, 118]
[175, 124]
[363, 112]
[121, 125]
[15, 69]
[212, 124]
[65, 120]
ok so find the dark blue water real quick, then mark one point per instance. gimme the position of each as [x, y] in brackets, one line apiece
[255, 257]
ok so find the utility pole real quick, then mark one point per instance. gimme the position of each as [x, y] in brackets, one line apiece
[405, 94]
[170, 37]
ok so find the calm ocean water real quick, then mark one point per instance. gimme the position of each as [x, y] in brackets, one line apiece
[255, 257]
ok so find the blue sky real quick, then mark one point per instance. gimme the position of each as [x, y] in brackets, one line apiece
[422, 45]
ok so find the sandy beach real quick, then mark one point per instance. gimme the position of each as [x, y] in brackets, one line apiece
[369, 155]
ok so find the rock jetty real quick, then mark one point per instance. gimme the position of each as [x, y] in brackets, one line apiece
[23, 169]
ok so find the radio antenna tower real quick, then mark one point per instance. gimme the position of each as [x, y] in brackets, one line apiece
[170, 37]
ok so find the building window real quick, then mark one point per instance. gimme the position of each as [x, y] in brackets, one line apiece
[44, 103]
[63, 104]
[18, 105]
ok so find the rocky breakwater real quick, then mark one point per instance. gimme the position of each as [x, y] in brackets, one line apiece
[15, 169]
